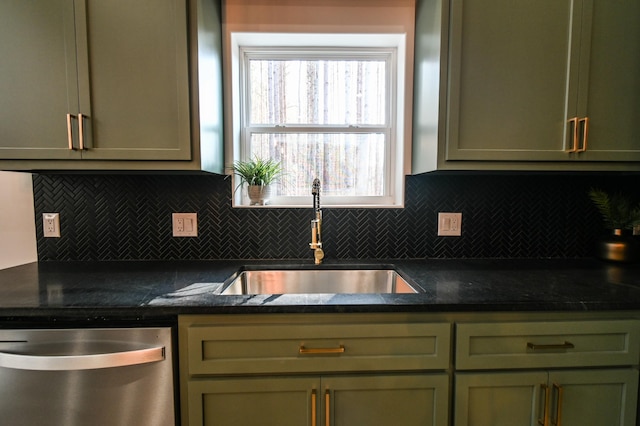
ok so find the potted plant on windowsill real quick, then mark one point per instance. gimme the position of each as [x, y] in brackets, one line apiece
[620, 216]
[258, 174]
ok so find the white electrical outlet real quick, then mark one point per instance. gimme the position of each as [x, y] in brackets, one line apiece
[185, 224]
[449, 224]
[51, 225]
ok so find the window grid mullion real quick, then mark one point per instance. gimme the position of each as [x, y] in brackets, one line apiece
[317, 129]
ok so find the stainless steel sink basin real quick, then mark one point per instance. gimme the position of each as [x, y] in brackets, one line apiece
[318, 281]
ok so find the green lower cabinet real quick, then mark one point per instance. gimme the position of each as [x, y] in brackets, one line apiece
[564, 397]
[498, 399]
[409, 400]
[406, 400]
[252, 401]
[598, 397]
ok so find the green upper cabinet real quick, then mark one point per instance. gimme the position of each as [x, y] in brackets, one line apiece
[38, 78]
[133, 79]
[548, 84]
[107, 85]
[611, 99]
[509, 79]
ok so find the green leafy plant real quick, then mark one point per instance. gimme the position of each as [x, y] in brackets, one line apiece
[257, 171]
[617, 210]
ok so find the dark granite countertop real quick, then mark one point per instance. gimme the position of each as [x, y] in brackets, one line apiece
[154, 290]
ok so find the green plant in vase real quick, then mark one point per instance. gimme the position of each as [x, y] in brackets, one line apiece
[620, 215]
[258, 174]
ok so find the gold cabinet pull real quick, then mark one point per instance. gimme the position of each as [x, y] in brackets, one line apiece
[544, 421]
[538, 347]
[321, 351]
[573, 128]
[558, 418]
[584, 123]
[81, 131]
[314, 405]
[578, 141]
[327, 408]
[70, 132]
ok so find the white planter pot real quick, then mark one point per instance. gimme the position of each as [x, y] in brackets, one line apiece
[259, 194]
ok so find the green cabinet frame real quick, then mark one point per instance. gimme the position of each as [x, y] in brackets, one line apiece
[409, 399]
[545, 85]
[308, 369]
[529, 398]
[134, 79]
[547, 372]
[38, 79]
[506, 369]
[95, 85]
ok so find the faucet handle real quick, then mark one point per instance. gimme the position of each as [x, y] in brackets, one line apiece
[318, 255]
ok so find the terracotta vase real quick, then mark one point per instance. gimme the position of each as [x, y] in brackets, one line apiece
[619, 246]
[259, 194]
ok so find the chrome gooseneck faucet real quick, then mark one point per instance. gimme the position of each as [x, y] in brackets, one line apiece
[316, 224]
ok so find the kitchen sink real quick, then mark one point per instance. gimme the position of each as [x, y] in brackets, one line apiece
[305, 281]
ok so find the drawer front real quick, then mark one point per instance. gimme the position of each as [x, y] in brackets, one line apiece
[505, 345]
[289, 348]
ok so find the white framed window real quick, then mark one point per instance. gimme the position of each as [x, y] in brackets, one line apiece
[325, 106]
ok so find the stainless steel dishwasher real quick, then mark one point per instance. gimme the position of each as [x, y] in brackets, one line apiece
[115, 377]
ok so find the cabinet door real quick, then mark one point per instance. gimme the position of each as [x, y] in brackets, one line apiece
[253, 401]
[594, 398]
[122, 65]
[610, 96]
[500, 399]
[409, 400]
[510, 71]
[570, 398]
[134, 88]
[38, 78]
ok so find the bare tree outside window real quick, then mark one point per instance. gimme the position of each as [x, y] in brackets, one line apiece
[326, 118]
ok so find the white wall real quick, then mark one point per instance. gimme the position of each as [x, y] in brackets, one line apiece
[17, 226]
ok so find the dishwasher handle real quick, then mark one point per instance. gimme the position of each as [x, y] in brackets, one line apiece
[81, 362]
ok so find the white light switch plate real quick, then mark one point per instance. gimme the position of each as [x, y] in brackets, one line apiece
[185, 224]
[449, 224]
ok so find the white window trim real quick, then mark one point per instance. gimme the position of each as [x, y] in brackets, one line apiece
[247, 41]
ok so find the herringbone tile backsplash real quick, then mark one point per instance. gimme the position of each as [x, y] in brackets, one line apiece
[128, 217]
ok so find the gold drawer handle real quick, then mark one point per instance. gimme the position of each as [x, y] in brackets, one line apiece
[573, 128]
[560, 391]
[81, 131]
[578, 144]
[544, 420]
[537, 347]
[584, 122]
[321, 351]
[327, 408]
[70, 131]
[314, 404]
